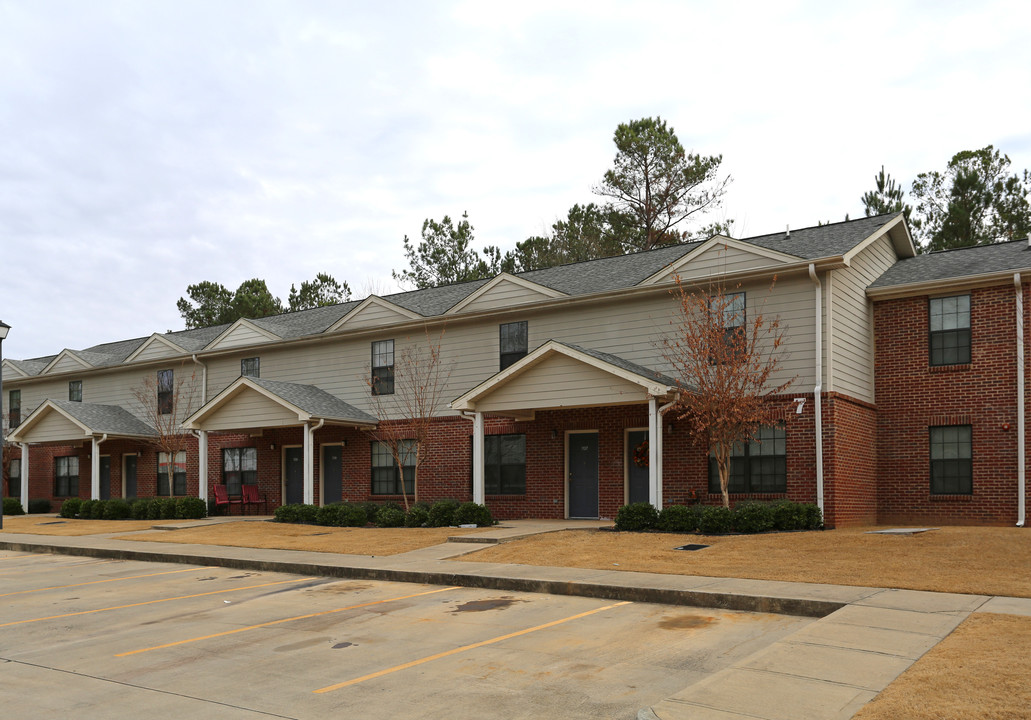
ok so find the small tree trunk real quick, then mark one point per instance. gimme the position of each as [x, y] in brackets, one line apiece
[404, 492]
[723, 465]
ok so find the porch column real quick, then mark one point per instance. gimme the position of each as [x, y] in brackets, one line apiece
[309, 467]
[24, 475]
[202, 464]
[654, 445]
[95, 470]
[478, 493]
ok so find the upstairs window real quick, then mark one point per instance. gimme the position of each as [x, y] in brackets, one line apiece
[949, 323]
[75, 391]
[758, 466]
[383, 367]
[951, 460]
[733, 320]
[165, 382]
[177, 486]
[513, 342]
[14, 408]
[250, 367]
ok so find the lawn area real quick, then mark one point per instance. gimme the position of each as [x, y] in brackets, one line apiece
[977, 560]
[49, 525]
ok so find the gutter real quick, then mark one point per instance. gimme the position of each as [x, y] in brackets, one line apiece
[818, 388]
[1021, 439]
[203, 381]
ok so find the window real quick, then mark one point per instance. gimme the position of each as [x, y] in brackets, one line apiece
[66, 476]
[383, 367]
[165, 391]
[949, 321]
[758, 466]
[239, 468]
[951, 464]
[14, 408]
[178, 474]
[250, 367]
[733, 317]
[75, 391]
[504, 471]
[513, 342]
[386, 479]
[14, 478]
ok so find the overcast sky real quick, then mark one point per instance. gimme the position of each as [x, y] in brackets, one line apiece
[149, 145]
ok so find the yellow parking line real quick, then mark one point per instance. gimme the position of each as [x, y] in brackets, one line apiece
[94, 582]
[464, 648]
[283, 620]
[152, 602]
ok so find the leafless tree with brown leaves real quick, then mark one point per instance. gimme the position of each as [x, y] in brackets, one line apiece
[420, 379]
[164, 407]
[724, 362]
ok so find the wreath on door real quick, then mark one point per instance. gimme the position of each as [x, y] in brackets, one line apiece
[641, 455]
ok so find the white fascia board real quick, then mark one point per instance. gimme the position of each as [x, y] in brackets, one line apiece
[895, 229]
[242, 322]
[373, 300]
[504, 277]
[235, 388]
[9, 366]
[66, 353]
[155, 338]
[716, 241]
[38, 414]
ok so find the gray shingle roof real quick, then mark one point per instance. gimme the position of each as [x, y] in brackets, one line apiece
[305, 322]
[109, 419]
[315, 401]
[619, 362]
[956, 264]
[32, 367]
[823, 240]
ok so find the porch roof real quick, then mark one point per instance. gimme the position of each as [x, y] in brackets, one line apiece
[562, 375]
[256, 403]
[65, 421]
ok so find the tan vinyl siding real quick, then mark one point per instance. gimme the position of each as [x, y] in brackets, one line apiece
[852, 333]
[505, 294]
[373, 315]
[250, 409]
[67, 364]
[719, 260]
[156, 349]
[55, 428]
[561, 381]
[240, 336]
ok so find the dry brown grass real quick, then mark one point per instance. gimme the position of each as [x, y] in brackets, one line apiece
[36, 525]
[979, 671]
[979, 560]
[284, 536]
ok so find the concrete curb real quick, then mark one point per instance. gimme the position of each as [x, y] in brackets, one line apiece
[804, 607]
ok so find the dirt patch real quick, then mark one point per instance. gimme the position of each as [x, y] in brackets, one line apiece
[284, 536]
[686, 622]
[978, 560]
[979, 671]
[36, 525]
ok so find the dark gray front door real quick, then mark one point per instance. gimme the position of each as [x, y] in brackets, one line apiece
[332, 474]
[637, 476]
[583, 475]
[130, 476]
[294, 461]
[105, 478]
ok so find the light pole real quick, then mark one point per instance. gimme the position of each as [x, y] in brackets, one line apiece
[4, 329]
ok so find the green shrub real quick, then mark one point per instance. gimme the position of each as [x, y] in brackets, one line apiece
[637, 517]
[154, 509]
[307, 514]
[70, 507]
[355, 515]
[139, 508]
[678, 519]
[470, 513]
[116, 510]
[12, 506]
[390, 517]
[330, 515]
[38, 506]
[788, 515]
[86, 509]
[286, 513]
[190, 508]
[442, 513]
[715, 520]
[417, 515]
[168, 508]
[753, 517]
[371, 510]
[813, 517]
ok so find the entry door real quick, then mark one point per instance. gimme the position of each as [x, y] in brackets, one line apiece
[105, 477]
[582, 453]
[332, 474]
[294, 475]
[129, 476]
[637, 476]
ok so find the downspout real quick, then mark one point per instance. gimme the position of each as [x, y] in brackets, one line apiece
[818, 388]
[203, 380]
[1021, 439]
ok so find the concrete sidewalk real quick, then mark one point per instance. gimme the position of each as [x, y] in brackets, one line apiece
[864, 638]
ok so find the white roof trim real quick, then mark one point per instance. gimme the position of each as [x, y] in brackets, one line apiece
[155, 338]
[237, 387]
[715, 241]
[8, 365]
[879, 233]
[38, 414]
[242, 322]
[468, 400]
[63, 354]
[504, 277]
[373, 300]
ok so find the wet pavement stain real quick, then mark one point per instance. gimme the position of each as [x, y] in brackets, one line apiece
[481, 605]
[686, 622]
[301, 645]
[343, 645]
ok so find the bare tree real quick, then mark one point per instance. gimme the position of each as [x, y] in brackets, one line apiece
[724, 363]
[419, 381]
[163, 400]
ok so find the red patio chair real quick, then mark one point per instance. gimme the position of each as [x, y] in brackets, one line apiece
[251, 497]
[222, 500]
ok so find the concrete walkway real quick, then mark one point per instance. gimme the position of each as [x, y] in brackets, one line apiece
[864, 637]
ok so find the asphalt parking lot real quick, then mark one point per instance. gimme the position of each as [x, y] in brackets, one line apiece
[93, 638]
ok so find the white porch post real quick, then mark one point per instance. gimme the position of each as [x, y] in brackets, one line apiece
[202, 464]
[478, 485]
[95, 471]
[24, 475]
[654, 453]
[309, 467]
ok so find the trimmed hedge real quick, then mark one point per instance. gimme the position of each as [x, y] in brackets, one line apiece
[418, 515]
[747, 517]
[158, 508]
[39, 506]
[390, 516]
[715, 520]
[442, 513]
[70, 507]
[637, 517]
[12, 506]
[470, 513]
[679, 519]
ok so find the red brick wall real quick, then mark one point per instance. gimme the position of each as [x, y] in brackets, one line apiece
[849, 461]
[912, 396]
